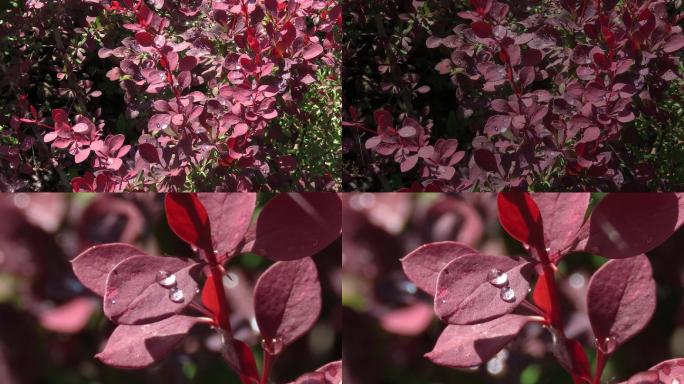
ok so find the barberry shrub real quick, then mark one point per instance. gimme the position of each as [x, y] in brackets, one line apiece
[156, 300]
[486, 301]
[157, 95]
[491, 95]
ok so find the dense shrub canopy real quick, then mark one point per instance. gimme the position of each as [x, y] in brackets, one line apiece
[169, 95]
[488, 95]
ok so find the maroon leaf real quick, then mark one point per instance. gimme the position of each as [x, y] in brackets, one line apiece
[669, 371]
[93, 265]
[621, 300]
[674, 43]
[139, 346]
[520, 217]
[144, 38]
[423, 265]
[465, 346]
[144, 288]
[482, 29]
[287, 301]
[229, 216]
[563, 216]
[188, 219]
[296, 225]
[475, 288]
[628, 224]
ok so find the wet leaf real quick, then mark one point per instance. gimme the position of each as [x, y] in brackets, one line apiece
[467, 293]
[135, 295]
[287, 301]
[423, 265]
[621, 300]
[139, 346]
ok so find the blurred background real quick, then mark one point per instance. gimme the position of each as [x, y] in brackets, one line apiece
[389, 324]
[51, 327]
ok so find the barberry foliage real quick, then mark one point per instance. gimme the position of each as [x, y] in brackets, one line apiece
[509, 311]
[158, 95]
[156, 300]
[492, 95]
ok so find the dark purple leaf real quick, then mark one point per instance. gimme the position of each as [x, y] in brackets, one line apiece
[287, 301]
[139, 346]
[475, 288]
[93, 265]
[628, 224]
[465, 346]
[621, 300]
[296, 225]
[144, 288]
[423, 265]
[482, 29]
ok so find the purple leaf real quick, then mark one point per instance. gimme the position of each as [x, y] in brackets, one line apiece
[621, 299]
[628, 224]
[475, 288]
[93, 265]
[669, 371]
[312, 51]
[330, 373]
[422, 266]
[296, 225]
[144, 288]
[674, 43]
[287, 302]
[229, 215]
[562, 216]
[139, 346]
[464, 346]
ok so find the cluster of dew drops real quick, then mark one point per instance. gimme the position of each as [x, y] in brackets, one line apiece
[168, 281]
[500, 280]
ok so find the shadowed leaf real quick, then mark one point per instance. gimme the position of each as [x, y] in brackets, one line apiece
[229, 215]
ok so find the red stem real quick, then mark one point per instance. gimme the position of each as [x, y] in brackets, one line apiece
[268, 363]
[601, 360]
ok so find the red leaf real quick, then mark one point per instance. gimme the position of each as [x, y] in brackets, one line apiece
[93, 265]
[465, 346]
[482, 29]
[296, 225]
[287, 301]
[520, 217]
[135, 294]
[144, 38]
[542, 296]
[621, 299]
[244, 363]
[210, 297]
[189, 220]
[139, 346]
[423, 265]
[466, 293]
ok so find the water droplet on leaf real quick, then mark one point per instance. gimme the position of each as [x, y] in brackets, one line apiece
[165, 279]
[272, 346]
[497, 278]
[507, 294]
[176, 295]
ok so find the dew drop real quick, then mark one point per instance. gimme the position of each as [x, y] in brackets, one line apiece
[606, 345]
[215, 252]
[507, 294]
[675, 381]
[443, 301]
[162, 76]
[272, 346]
[165, 279]
[526, 246]
[113, 301]
[176, 295]
[497, 278]
[548, 249]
